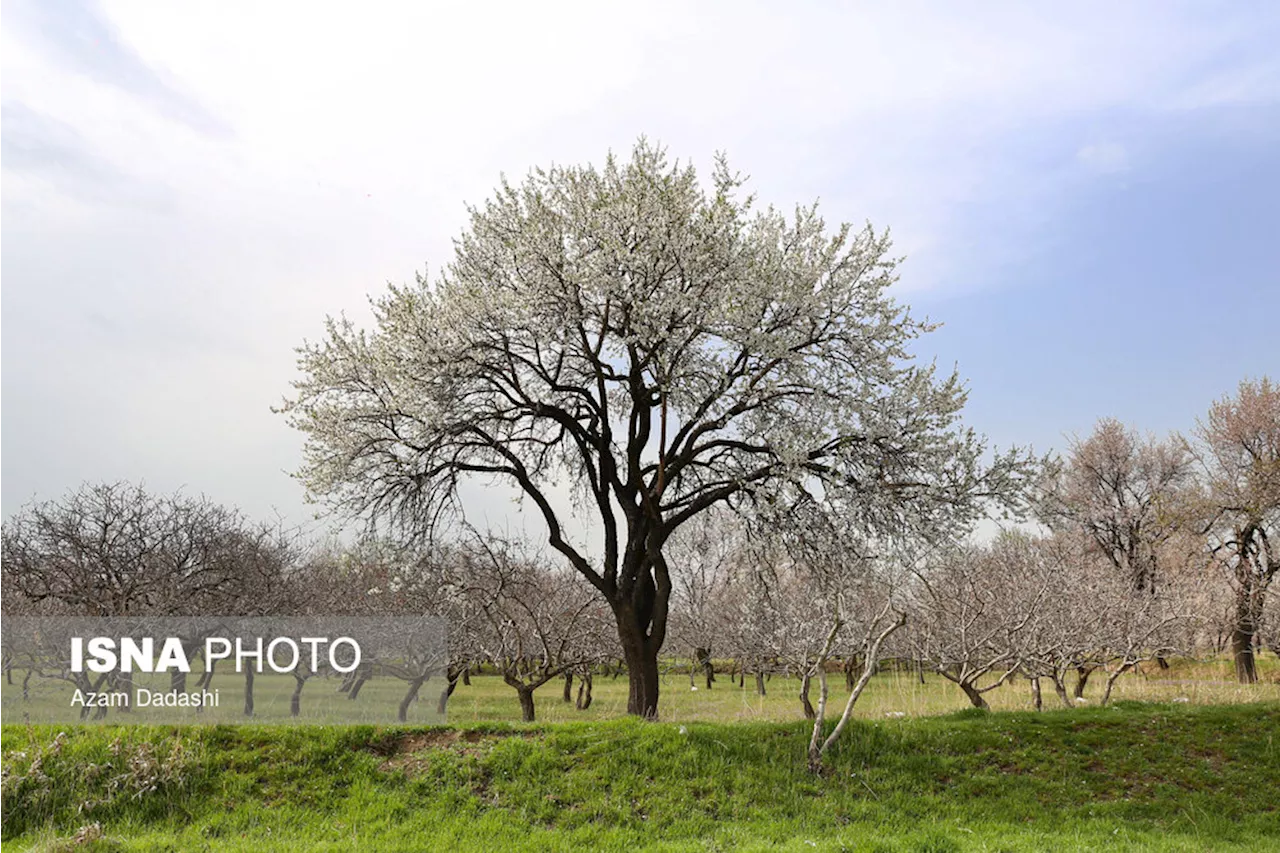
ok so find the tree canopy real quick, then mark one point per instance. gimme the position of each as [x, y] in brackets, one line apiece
[663, 346]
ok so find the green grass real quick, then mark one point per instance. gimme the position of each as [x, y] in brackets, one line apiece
[487, 699]
[1156, 776]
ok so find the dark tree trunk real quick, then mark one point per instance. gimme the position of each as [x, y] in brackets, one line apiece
[411, 694]
[101, 711]
[1082, 679]
[295, 701]
[760, 682]
[124, 682]
[206, 677]
[177, 682]
[84, 685]
[443, 704]
[642, 666]
[363, 674]
[568, 687]
[584, 699]
[526, 703]
[466, 677]
[1036, 697]
[809, 712]
[248, 691]
[1244, 630]
[974, 695]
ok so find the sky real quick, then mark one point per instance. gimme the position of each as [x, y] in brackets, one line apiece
[1087, 195]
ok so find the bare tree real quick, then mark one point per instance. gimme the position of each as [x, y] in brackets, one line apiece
[660, 347]
[858, 598]
[1063, 584]
[534, 619]
[971, 612]
[1121, 490]
[113, 549]
[701, 555]
[1141, 626]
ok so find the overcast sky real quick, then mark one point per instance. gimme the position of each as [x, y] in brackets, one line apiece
[1087, 194]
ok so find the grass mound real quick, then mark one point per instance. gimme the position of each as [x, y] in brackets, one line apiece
[1137, 776]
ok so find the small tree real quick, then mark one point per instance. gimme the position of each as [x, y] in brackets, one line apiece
[1141, 625]
[1121, 491]
[1064, 586]
[533, 618]
[702, 556]
[972, 610]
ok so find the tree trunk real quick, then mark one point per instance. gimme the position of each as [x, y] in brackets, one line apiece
[704, 660]
[206, 677]
[526, 703]
[442, 705]
[361, 680]
[124, 682]
[1111, 681]
[101, 711]
[1242, 653]
[177, 682]
[642, 667]
[584, 699]
[568, 687]
[760, 682]
[466, 676]
[1242, 635]
[1060, 687]
[1036, 698]
[248, 691]
[809, 712]
[1082, 678]
[974, 695]
[414, 686]
[295, 701]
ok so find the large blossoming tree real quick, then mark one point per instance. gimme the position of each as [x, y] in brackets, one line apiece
[663, 347]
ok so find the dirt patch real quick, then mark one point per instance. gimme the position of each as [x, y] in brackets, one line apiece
[411, 751]
[398, 744]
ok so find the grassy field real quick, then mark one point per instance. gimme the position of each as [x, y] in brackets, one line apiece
[1179, 770]
[487, 699]
[1132, 777]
